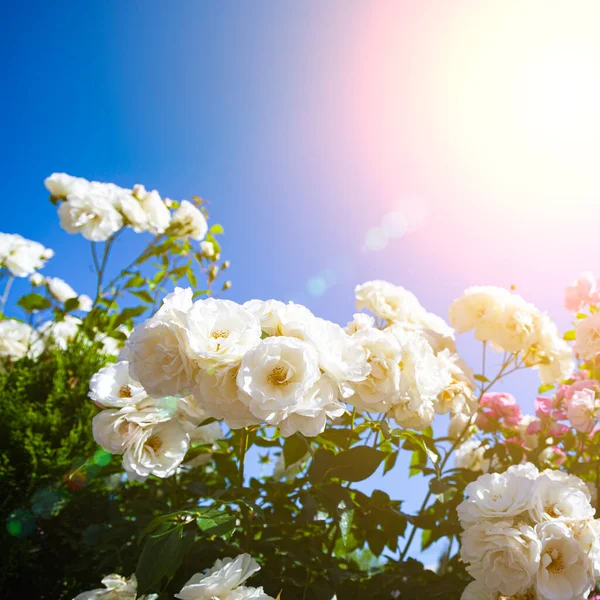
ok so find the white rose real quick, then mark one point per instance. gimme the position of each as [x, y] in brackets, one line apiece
[190, 221]
[60, 289]
[390, 302]
[113, 387]
[557, 500]
[18, 340]
[341, 356]
[502, 556]
[381, 388]
[458, 423]
[278, 318]
[309, 416]
[157, 214]
[21, 256]
[132, 209]
[159, 352]
[551, 354]
[60, 185]
[112, 430]
[360, 322]
[587, 534]
[479, 308]
[92, 215]
[413, 415]
[470, 455]
[116, 588]
[155, 450]
[564, 569]
[60, 332]
[36, 279]
[221, 332]
[221, 580]
[424, 376]
[220, 396]
[458, 396]
[207, 249]
[276, 375]
[496, 496]
[85, 302]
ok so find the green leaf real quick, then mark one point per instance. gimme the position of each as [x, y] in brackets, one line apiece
[481, 378]
[546, 387]
[135, 281]
[355, 464]
[222, 525]
[128, 313]
[390, 462]
[161, 557]
[216, 229]
[346, 524]
[32, 302]
[294, 448]
[569, 336]
[72, 304]
[144, 296]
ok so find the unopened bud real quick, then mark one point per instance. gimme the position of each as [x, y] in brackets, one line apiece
[225, 265]
[208, 249]
[227, 285]
[36, 279]
[139, 191]
[213, 272]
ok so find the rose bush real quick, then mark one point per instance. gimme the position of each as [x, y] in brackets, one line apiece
[243, 431]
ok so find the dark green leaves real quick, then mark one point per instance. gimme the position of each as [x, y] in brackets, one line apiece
[32, 302]
[161, 557]
[294, 448]
[355, 464]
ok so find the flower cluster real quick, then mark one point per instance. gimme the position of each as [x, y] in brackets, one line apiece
[529, 534]
[415, 370]
[19, 340]
[20, 256]
[116, 588]
[99, 210]
[152, 435]
[583, 292]
[275, 363]
[224, 582]
[512, 325]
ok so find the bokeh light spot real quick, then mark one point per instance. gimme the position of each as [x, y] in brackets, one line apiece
[20, 523]
[394, 224]
[47, 502]
[102, 457]
[376, 239]
[316, 286]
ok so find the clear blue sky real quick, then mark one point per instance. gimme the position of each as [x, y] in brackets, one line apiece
[303, 123]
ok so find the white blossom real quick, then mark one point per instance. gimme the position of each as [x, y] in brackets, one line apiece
[190, 221]
[18, 340]
[224, 581]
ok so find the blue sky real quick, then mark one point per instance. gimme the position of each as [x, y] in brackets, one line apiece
[304, 124]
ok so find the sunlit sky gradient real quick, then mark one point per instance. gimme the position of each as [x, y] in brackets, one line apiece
[305, 124]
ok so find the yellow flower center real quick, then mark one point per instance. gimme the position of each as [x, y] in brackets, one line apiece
[278, 376]
[124, 391]
[220, 334]
[154, 442]
[557, 564]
